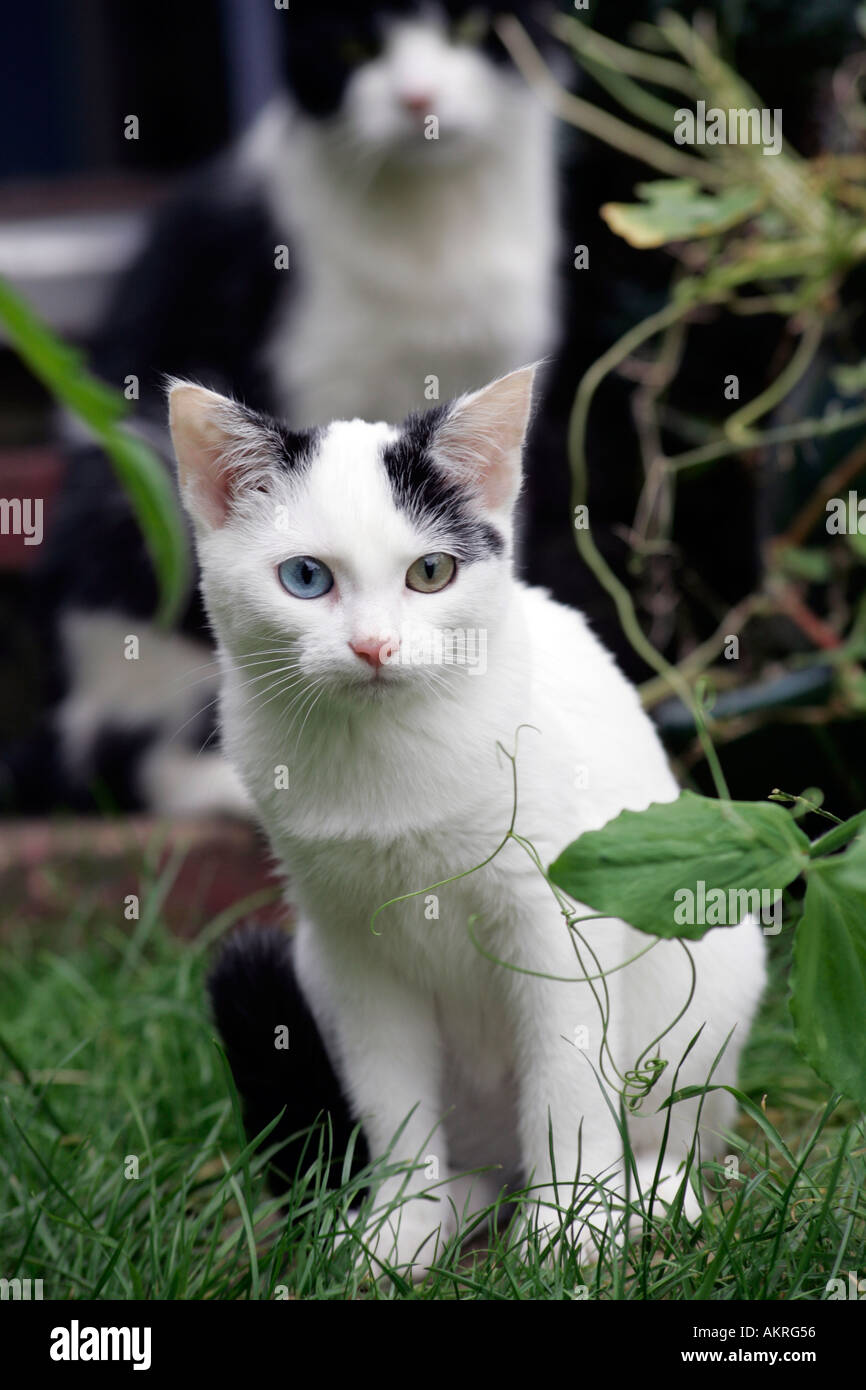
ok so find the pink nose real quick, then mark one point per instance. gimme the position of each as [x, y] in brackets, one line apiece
[418, 103]
[374, 650]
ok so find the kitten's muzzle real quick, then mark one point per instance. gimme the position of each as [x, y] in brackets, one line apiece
[376, 651]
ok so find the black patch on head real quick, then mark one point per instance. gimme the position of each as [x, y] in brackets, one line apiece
[295, 448]
[323, 44]
[298, 447]
[421, 488]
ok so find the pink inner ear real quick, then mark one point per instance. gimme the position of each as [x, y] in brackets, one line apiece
[480, 443]
[204, 442]
[201, 477]
[481, 462]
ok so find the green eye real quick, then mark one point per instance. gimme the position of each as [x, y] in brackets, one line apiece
[431, 573]
[304, 577]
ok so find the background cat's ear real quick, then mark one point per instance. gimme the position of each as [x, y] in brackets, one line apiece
[480, 441]
[219, 445]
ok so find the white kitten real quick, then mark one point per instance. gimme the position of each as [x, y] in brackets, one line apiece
[331, 551]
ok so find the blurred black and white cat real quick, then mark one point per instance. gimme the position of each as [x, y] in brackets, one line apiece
[384, 236]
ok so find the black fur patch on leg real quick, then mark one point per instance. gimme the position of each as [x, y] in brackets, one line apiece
[254, 990]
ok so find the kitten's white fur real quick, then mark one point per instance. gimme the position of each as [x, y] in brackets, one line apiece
[396, 783]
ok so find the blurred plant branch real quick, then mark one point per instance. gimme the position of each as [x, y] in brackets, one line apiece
[142, 474]
[753, 234]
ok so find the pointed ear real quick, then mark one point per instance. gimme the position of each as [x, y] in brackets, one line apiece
[480, 441]
[220, 447]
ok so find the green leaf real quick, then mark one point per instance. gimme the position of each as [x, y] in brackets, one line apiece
[850, 380]
[61, 369]
[150, 491]
[839, 836]
[56, 364]
[677, 210]
[810, 564]
[857, 543]
[640, 865]
[828, 981]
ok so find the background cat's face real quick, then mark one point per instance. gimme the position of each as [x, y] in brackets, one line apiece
[378, 74]
[355, 553]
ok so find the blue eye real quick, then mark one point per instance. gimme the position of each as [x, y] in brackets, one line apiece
[305, 577]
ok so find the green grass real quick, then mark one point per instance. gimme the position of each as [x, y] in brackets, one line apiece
[109, 1056]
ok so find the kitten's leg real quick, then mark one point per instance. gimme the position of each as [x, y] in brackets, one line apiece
[562, 1108]
[648, 1133]
[730, 974]
[385, 1043]
[669, 1183]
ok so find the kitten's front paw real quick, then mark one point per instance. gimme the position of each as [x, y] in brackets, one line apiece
[409, 1240]
[549, 1234]
[665, 1192]
[603, 1225]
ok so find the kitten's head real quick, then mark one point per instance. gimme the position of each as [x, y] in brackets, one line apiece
[366, 559]
[378, 73]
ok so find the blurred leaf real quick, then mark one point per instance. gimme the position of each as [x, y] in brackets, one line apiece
[850, 381]
[56, 364]
[636, 866]
[773, 224]
[61, 369]
[678, 210]
[828, 983]
[810, 564]
[149, 489]
[857, 542]
[855, 691]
